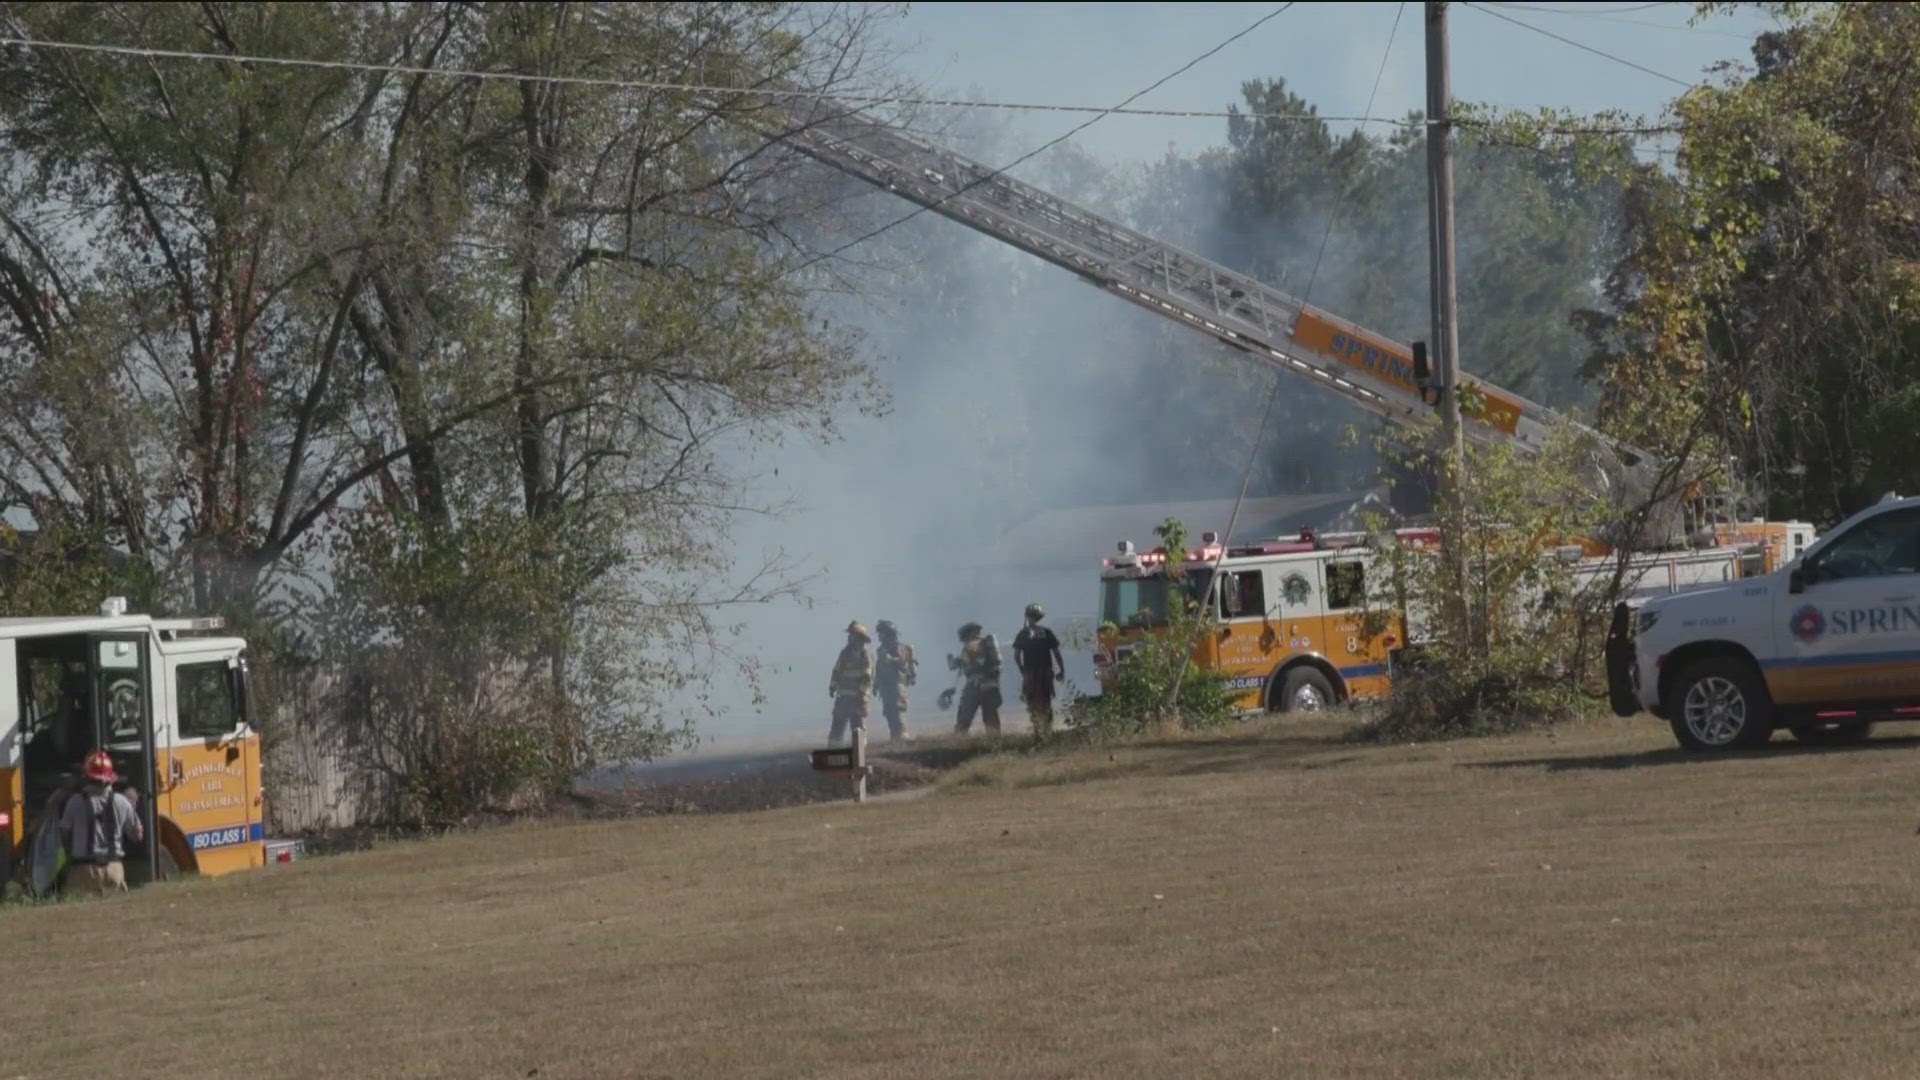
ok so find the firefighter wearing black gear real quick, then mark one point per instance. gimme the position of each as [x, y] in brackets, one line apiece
[1036, 652]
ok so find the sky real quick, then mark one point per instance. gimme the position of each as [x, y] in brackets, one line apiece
[1330, 53]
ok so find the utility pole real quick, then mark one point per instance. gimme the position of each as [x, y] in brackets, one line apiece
[1445, 296]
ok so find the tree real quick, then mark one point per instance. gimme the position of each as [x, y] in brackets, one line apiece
[1768, 287]
[442, 358]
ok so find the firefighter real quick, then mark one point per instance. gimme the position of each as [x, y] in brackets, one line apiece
[979, 667]
[852, 679]
[1036, 652]
[98, 825]
[894, 669]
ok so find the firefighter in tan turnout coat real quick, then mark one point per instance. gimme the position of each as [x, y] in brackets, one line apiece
[851, 682]
[894, 670]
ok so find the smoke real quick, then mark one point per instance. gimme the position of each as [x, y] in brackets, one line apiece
[1016, 389]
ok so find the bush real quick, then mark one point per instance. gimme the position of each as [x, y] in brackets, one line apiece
[1158, 685]
[1509, 633]
[1461, 699]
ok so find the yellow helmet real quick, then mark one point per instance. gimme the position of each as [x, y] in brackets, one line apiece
[859, 631]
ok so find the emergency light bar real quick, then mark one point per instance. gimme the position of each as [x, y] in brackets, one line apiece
[1307, 541]
[209, 622]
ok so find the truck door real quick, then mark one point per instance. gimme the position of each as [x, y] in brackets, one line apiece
[1247, 643]
[118, 671]
[1360, 658]
[209, 773]
[1852, 635]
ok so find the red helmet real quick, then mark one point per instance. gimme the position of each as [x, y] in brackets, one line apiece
[100, 767]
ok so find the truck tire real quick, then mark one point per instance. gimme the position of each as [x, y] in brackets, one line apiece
[1829, 732]
[1304, 690]
[1719, 703]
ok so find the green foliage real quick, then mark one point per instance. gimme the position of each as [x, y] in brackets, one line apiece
[1515, 642]
[1343, 222]
[1764, 304]
[57, 571]
[1158, 684]
[487, 658]
[1467, 696]
[432, 378]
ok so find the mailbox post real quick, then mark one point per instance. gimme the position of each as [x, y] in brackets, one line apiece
[851, 760]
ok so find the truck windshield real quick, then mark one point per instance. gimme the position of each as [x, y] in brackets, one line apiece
[1143, 601]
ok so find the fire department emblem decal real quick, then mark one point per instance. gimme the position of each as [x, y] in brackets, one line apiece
[1295, 589]
[1807, 624]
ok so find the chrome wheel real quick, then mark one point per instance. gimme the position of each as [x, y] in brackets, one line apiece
[1307, 698]
[1715, 711]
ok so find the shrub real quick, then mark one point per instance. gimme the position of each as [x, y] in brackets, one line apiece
[1463, 698]
[1158, 683]
[1509, 632]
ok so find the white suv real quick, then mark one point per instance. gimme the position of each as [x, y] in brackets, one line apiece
[1824, 646]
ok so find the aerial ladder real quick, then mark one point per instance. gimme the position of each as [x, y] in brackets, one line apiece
[1372, 371]
[1248, 315]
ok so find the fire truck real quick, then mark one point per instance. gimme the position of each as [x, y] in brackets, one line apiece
[1291, 615]
[170, 701]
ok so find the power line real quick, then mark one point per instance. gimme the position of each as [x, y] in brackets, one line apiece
[1029, 155]
[647, 84]
[754, 91]
[1586, 9]
[1578, 45]
[1607, 17]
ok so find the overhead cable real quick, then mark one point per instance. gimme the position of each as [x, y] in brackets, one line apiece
[1578, 45]
[1036, 151]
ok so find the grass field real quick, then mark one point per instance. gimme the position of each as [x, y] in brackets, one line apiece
[1260, 903]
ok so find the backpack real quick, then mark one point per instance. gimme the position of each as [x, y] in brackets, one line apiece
[990, 657]
[97, 812]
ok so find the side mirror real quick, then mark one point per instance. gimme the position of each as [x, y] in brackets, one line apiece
[242, 683]
[1796, 581]
[1230, 594]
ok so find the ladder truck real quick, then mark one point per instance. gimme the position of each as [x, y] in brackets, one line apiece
[1320, 657]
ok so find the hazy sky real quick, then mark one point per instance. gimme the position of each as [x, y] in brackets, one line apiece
[1099, 54]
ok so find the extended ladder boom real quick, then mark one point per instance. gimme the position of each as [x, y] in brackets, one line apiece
[1366, 368]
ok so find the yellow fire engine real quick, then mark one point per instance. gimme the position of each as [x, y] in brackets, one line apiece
[1290, 614]
[168, 700]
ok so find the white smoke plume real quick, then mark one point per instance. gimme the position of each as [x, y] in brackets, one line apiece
[1016, 388]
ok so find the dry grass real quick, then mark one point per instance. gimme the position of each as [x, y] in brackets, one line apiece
[1248, 905]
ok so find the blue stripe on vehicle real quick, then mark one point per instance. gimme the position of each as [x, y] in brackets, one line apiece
[1840, 659]
[1363, 671]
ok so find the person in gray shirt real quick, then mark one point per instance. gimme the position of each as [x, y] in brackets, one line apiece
[98, 825]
